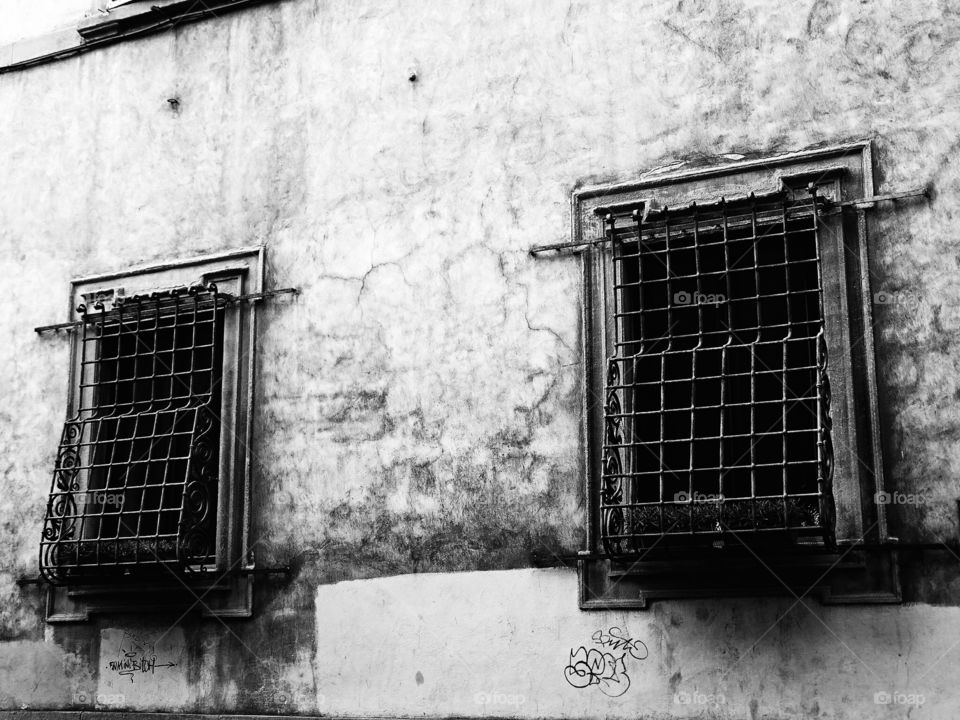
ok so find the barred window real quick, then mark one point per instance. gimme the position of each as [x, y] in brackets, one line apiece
[149, 503]
[730, 407]
[717, 393]
[135, 482]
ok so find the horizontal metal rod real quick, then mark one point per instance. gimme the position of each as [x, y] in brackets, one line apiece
[250, 298]
[566, 246]
[948, 545]
[863, 204]
[951, 545]
[659, 232]
[869, 202]
[281, 570]
[265, 295]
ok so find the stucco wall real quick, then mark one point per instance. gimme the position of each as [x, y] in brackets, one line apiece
[418, 406]
[29, 20]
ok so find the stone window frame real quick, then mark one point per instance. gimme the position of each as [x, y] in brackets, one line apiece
[856, 568]
[226, 589]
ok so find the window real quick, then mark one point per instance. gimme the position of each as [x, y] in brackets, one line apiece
[136, 475]
[716, 394]
[731, 418]
[150, 485]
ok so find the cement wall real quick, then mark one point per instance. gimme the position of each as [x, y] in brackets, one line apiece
[418, 404]
[23, 21]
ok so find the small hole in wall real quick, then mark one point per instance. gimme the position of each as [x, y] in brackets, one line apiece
[174, 103]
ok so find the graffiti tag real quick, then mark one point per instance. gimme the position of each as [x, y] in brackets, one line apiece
[605, 667]
[592, 667]
[131, 664]
[615, 639]
[136, 656]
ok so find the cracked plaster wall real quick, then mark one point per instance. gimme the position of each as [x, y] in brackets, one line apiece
[418, 403]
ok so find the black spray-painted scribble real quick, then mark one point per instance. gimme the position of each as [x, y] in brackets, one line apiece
[592, 667]
[136, 656]
[616, 639]
[131, 664]
[607, 670]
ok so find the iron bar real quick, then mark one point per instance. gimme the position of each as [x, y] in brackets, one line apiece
[868, 203]
[229, 300]
[862, 203]
[952, 546]
[284, 570]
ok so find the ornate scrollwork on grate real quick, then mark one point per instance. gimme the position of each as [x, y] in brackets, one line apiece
[717, 398]
[197, 526]
[611, 493]
[135, 479]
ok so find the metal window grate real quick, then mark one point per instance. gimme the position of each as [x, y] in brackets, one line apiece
[135, 481]
[716, 414]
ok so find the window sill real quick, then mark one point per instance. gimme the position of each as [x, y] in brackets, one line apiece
[209, 595]
[833, 577]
